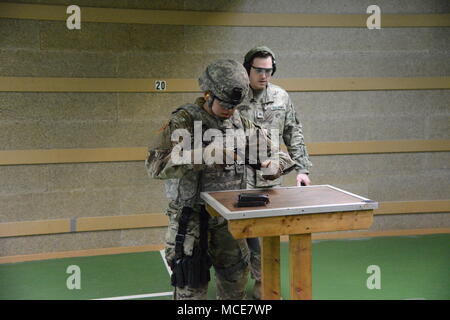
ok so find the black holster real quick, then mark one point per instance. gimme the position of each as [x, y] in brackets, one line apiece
[191, 271]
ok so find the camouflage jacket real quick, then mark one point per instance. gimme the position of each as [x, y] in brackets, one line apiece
[273, 109]
[186, 181]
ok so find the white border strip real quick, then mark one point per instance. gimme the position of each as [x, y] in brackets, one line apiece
[216, 204]
[163, 256]
[349, 193]
[139, 296]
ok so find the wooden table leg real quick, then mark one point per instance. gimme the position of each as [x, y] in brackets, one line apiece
[270, 268]
[300, 266]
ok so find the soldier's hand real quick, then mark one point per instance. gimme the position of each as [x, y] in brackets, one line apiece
[271, 170]
[303, 180]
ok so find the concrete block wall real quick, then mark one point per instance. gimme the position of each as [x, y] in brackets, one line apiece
[98, 120]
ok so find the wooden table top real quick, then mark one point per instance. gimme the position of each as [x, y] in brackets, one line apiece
[322, 197]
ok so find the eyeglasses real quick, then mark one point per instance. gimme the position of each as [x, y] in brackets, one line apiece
[267, 71]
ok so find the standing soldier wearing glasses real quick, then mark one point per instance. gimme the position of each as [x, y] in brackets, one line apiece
[270, 107]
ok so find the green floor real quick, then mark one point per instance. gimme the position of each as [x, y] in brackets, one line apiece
[410, 268]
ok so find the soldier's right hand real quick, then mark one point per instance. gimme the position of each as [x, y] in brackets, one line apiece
[271, 170]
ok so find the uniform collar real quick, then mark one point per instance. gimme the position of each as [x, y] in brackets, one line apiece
[265, 97]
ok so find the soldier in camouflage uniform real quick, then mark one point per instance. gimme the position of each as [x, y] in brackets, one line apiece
[270, 107]
[188, 251]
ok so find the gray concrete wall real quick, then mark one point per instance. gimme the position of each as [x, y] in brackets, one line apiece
[97, 120]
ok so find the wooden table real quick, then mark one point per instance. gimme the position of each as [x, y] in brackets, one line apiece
[297, 212]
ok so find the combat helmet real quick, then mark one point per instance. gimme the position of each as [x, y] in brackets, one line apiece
[256, 50]
[227, 81]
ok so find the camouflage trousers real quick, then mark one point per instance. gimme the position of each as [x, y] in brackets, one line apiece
[230, 258]
[255, 258]
[254, 243]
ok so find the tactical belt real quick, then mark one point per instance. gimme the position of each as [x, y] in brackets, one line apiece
[191, 271]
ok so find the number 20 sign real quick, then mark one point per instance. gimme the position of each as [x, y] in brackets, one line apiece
[160, 85]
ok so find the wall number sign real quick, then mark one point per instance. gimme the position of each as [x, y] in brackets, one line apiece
[160, 85]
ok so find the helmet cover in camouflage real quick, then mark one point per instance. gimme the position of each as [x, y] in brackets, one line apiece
[255, 50]
[227, 80]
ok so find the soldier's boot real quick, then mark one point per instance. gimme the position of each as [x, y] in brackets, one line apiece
[187, 293]
[257, 290]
